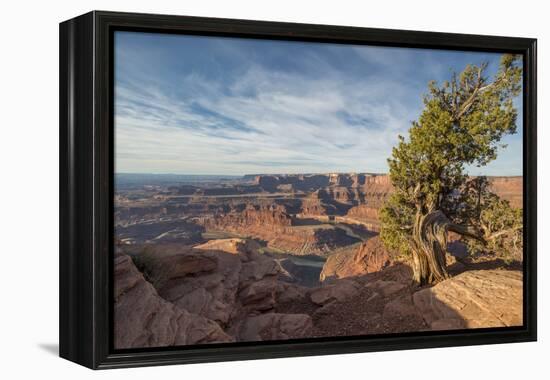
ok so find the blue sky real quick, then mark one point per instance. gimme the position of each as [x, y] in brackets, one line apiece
[211, 105]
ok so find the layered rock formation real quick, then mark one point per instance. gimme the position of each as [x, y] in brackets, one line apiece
[314, 206]
[297, 182]
[365, 213]
[274, 225]
[181, 214]
[253, 220]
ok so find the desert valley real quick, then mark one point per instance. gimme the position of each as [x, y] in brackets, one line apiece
[209, 259]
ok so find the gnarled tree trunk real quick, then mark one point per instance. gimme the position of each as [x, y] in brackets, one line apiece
[429, 245]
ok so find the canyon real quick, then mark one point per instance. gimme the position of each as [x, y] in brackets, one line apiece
[220, 259]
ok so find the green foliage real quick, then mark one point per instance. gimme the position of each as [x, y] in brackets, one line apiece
[462, 124]
[396, 216]
[503, 227]
[500, 225]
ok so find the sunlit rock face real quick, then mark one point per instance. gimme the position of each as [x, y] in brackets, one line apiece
[370, 256]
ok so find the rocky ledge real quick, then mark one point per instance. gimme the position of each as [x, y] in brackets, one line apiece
[226, 291]
[473, 299]
[144, 319]
[219, 292]
[386, 302]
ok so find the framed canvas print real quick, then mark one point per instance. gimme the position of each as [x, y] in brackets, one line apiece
[239, 189]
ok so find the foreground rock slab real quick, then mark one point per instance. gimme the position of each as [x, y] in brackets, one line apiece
[143, 319]
[340, 291]
[226, 283]
[274, 326]
[474, 299]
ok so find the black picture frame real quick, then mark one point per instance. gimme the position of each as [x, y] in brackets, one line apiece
[86, 188]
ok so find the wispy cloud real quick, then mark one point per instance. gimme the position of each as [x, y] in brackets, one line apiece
[232, 111]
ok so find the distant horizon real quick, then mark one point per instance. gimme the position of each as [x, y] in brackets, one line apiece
[300, 173]
[201, 105]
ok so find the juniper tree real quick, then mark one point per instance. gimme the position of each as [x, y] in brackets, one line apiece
[462, 123]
